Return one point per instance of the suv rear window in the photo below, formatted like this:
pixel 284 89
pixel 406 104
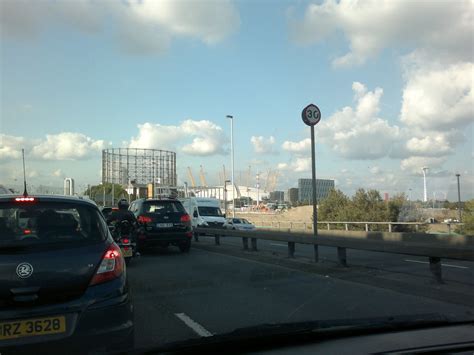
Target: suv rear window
pixel 161 207
pixel 49 222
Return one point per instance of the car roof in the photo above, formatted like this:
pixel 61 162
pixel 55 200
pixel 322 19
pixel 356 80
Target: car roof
pixel 53 198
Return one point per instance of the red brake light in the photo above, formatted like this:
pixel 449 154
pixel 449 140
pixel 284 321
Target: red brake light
pixel 27 231
pixel 144 219
pixel 111 266
pixel 186 218
pixel 25 199
pixel 125 240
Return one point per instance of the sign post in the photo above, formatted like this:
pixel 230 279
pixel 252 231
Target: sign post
pixel 311 116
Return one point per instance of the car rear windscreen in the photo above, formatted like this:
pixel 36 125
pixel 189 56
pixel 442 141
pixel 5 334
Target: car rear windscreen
pixel 49 222
pixel 162 207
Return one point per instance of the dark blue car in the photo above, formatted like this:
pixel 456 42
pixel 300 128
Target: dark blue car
pixel 63 281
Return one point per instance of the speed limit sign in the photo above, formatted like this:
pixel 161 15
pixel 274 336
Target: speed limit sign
pixel 311 115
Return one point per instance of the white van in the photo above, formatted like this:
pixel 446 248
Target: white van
pixel 204 212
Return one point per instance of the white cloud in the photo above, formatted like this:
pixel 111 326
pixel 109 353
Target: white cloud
pixel 415 163
pixel 141 26
pixel 207 137
pixel 58 173
pixel 357 133
pixel 432 144
pixel 441 27
pixel 67 146
pixel 297 165
pixel 375 170
pixel 439 98
pixel 262 145
pixel 10 146
pixel 303 146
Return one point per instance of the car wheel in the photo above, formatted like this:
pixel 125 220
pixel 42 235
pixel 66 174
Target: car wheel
pixel 185 247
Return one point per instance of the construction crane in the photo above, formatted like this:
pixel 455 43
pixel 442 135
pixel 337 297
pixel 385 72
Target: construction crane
pixel 267 181
pixel 202 177
pixel 191 177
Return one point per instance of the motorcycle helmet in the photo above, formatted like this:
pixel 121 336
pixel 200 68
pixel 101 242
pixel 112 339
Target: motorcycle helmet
pixel 122 204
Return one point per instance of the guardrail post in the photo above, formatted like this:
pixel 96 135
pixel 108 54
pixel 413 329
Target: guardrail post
pixel 254 244
pixel 416 227
pixel 329 226
pixel 245 241
pixel 390 227
pixel 435 267
pixel 366 227
pixel 449 228
pixel 342 256
pixel 346 226
pixel 316 253
pixel 291 249
pixel 217 239
pixel 291 226
pixel 278 225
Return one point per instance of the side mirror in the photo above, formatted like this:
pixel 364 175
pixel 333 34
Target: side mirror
pixel 195 214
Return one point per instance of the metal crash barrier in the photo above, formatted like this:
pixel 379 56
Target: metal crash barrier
pixel 432 246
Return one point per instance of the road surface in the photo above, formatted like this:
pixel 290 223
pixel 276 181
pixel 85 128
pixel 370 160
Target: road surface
pixel 181 296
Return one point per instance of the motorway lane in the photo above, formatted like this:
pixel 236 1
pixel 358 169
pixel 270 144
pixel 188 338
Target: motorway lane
pixel 453 270
pixel 181 296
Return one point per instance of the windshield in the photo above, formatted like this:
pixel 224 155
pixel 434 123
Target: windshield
pixel 163 207
pixel 49 222
pixel 282 161
pixel 210 211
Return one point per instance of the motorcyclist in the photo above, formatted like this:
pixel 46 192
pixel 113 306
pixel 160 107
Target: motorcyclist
pixel 122 214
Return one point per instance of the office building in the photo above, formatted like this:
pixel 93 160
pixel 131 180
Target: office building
pixel 305 190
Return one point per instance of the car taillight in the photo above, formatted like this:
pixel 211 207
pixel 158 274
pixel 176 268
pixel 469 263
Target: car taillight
pixel 144 219
pixel 25 199
pixel 185 218
pixel 27 231
pixel 111 266
pixel 125 240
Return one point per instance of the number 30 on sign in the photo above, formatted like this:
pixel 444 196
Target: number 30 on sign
pixel 311 115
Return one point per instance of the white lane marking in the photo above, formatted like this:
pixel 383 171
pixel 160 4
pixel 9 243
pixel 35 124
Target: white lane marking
pixel 198 328
pixel 448 265
pixel 279 245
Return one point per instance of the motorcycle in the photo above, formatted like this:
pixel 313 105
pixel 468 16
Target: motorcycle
pixel 123 236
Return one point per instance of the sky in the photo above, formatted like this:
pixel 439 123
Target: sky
pixel 393 81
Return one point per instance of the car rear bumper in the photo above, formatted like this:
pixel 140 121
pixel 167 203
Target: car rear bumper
pixel 157 239
pixel 102 328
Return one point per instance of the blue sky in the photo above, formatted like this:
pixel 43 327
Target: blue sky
pixel 80 76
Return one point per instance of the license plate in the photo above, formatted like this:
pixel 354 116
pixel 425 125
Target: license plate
pixel 164 225
pixel 32 327
pixel 127 252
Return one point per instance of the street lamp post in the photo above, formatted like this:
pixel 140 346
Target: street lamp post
pixel 459 198
pixel 225 196
pixel 232 161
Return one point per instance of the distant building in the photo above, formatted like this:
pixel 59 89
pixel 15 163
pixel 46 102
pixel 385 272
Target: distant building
pixel 292 195
pixel 305 190
pixel 277 196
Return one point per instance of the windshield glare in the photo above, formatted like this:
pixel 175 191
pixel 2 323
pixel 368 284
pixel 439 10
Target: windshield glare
pixel 49 222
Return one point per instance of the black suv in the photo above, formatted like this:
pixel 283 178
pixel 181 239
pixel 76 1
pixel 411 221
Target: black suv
pixel 61 278
pixel 162 222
